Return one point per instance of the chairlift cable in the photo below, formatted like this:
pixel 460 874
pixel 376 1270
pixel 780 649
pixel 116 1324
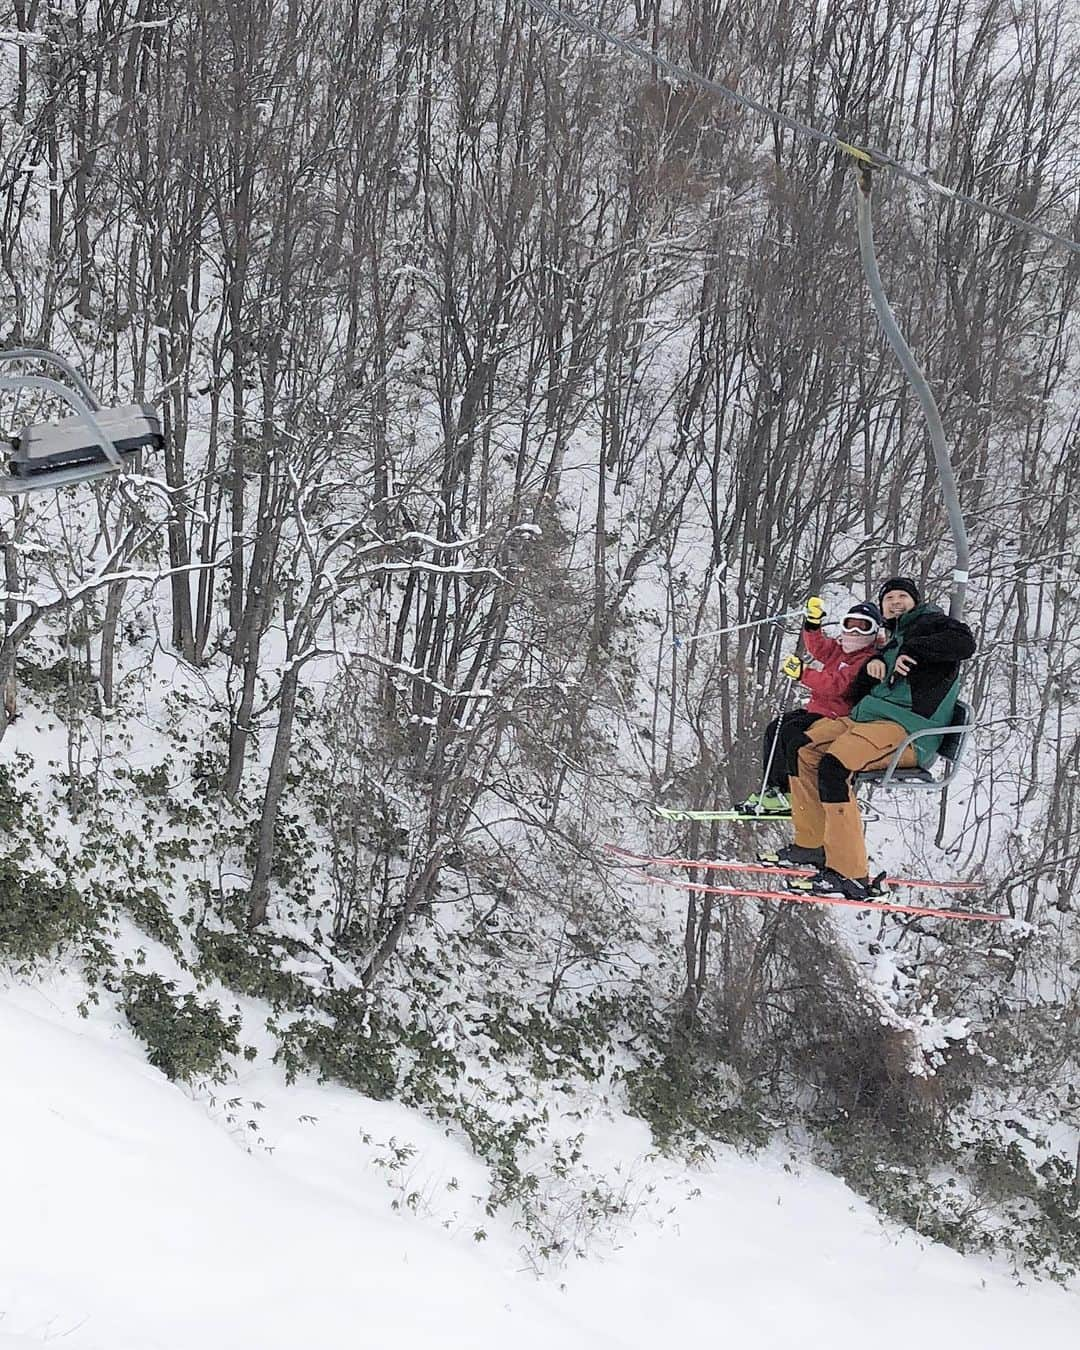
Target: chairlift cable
pixel 865 160
pixel 866 156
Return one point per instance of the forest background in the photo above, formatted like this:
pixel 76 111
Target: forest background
pixel 491 365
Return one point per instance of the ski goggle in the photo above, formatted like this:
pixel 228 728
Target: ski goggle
pixel 859 623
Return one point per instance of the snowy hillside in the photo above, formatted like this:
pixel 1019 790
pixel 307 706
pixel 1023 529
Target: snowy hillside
pixel 136 1217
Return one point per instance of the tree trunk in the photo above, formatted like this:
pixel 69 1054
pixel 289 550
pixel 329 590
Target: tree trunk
pixel 107 663
pixel 275 786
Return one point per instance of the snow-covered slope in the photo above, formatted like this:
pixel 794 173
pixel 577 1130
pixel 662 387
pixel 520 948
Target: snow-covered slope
pixel 137 1217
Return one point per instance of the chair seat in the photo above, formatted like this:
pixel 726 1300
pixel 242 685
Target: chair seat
pixel 47 446
pixel 899 776
pixel 951 747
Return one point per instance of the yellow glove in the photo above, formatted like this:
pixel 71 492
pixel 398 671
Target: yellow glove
pixel 793 667
pixel 815 609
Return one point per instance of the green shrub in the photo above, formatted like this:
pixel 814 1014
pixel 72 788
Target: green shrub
pixel 13 802
pixel 554 1045
pixel 987 1196
pixel 358 1047
pixel 147 909
pixel 186 1039
pixel 39 917
pixel 1038 1200
pixel 53 678
pixel 152 783
pixel 248 963
pixel 690 1099
pixel 895 1176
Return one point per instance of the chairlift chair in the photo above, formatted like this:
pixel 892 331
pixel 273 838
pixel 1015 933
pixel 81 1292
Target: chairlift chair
pixel 954 738
pixel 954 741
pixel 94 442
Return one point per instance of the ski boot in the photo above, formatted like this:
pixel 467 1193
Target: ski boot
pixel 826 882
pixel 771 802
pixel 794 855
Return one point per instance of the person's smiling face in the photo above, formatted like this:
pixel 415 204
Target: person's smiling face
pixel 895 603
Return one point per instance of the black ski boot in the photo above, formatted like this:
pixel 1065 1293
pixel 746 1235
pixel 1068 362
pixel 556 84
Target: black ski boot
pixel 830 883
pixel 794 855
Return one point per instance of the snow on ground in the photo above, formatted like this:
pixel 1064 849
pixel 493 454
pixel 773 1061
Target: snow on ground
pixel 136 1217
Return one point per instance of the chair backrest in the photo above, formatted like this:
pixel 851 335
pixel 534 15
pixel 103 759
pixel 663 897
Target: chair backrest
pixel 952 745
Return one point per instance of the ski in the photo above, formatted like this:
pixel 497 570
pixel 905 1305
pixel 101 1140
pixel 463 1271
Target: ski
pixel 766 869
pixel 804 898
pixel 672 813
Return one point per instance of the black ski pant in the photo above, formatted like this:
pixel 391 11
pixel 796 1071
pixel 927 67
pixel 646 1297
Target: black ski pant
pixel 788 732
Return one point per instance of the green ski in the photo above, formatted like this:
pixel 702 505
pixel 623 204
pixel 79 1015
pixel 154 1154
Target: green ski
pixel 678 813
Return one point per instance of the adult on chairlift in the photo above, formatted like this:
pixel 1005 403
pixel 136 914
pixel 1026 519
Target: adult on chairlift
pixel 912 685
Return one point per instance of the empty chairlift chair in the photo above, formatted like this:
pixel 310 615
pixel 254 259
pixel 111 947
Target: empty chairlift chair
pixel 93 442
pixel 954 740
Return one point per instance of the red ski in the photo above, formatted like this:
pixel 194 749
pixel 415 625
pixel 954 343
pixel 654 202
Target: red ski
pixel 805 898
pixel 766 869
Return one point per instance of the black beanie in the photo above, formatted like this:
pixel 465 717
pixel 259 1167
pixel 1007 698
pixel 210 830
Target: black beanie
pixel 899 584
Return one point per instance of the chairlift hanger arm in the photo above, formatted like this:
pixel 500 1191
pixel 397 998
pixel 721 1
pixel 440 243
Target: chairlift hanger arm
pixel 919 383
pixel 48 358
pixel 954 741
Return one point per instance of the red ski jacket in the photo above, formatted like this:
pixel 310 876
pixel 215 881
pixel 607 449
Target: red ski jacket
pixel 832 686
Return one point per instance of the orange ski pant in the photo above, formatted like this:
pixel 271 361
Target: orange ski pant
pixel 838 825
